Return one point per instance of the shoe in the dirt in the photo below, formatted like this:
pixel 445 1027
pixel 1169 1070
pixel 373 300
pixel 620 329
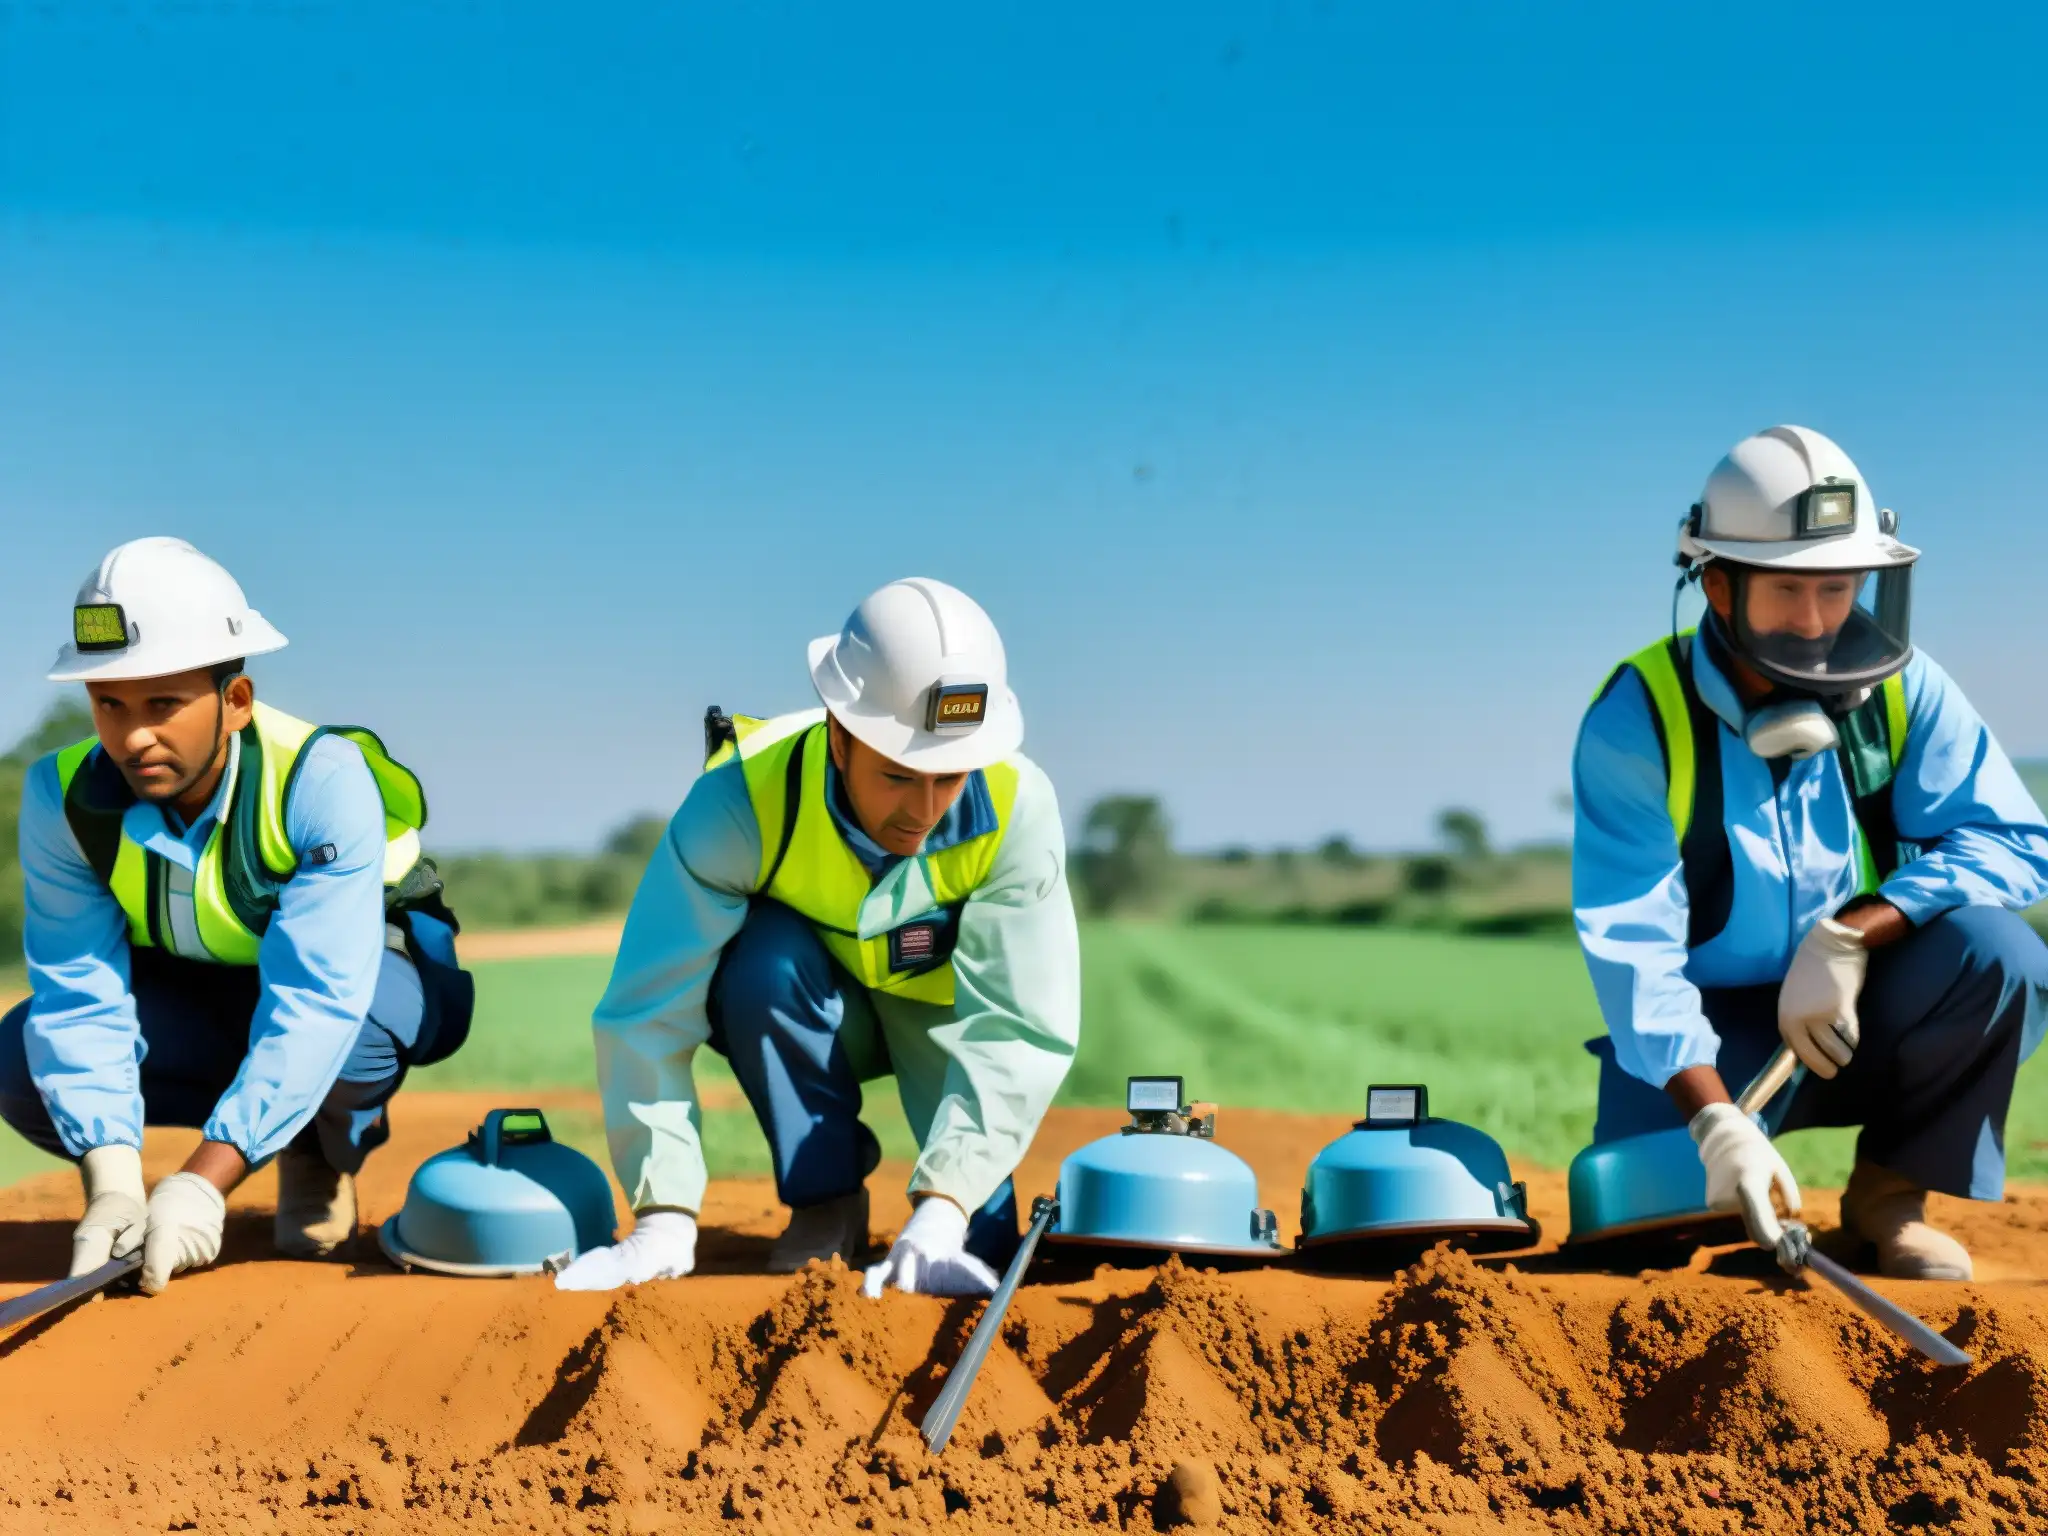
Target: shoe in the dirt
pixel 1890 1213
pixel 820 1231
pixel 316 1206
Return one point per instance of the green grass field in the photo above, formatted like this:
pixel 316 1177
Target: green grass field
pixel 1280 1017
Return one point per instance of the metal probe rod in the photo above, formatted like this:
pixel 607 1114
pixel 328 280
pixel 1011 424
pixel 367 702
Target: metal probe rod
pixel 1796 1251
pixel 944 1412
pixel 1765 1085
pixel 43 1299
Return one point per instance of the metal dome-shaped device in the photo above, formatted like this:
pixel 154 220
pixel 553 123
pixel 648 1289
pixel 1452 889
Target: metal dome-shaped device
pixel 510 1201
pixel 1401 1179
pixel 1162 1185
pixel 1650 1190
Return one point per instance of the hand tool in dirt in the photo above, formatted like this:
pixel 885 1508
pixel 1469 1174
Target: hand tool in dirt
pixel 1796 1252
pixel 62 1292
pixel 1401 1180
pixel 944 1412
pixel 1161 1185
pixel 511 1200
pixel 1652 1187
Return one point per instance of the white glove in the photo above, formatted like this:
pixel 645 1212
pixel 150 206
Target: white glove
pixel 661 1246
pixel 1742 1168
pixel 930 1257
pixel 114 1215
pixel 185 1217
pixel 1817 1002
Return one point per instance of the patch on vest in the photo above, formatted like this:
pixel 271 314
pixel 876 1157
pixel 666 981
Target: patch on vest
pixel 913 946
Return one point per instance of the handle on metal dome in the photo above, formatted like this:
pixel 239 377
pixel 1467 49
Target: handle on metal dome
pixel 495 1135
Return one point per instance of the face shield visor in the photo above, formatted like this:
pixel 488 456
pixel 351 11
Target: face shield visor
pixel 1821 632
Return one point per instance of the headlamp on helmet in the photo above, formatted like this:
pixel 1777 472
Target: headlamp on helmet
pixel 1827 508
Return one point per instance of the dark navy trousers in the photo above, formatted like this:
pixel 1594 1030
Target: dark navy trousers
pixel 195 1029
pixel 1948 1014
pixel 802 1036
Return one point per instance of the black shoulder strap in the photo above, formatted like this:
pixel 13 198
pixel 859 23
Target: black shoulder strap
pixel 792 804
pixel 250 886
pixel 1703 851
pixel 1865 755
pixel 94 804
pixel 718 731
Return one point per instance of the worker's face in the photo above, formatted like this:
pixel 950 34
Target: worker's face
pixel 165 733
pixel 895 805
pixel 1809 606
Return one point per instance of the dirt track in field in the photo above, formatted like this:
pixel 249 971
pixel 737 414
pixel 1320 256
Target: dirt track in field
pixel 1458 1396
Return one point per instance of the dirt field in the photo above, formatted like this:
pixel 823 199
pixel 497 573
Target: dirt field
pixel 1460 1396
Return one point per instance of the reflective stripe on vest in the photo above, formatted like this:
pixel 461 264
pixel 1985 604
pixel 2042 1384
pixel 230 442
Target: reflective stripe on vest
pixel 1873 740
pixel 807 866
pixel 249 857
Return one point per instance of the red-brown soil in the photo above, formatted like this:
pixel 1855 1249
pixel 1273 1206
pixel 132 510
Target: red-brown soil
pixel 1504 1394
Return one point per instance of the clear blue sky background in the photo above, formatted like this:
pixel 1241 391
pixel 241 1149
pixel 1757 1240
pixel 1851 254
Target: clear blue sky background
pixel 1309 390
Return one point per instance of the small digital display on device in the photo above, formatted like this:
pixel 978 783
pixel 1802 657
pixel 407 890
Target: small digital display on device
pixel 1394 1106
pixel 1153 1095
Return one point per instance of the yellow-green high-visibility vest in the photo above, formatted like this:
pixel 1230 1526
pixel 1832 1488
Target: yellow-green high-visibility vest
pixel 249 857
pixel 1873 738
pixel 807 866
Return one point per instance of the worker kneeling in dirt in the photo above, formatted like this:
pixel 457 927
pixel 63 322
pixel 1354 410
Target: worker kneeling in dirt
pixel 229 926
pixel 876 887
pixel 1790 826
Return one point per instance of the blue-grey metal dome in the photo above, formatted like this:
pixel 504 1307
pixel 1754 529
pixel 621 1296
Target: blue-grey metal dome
pixel 510 1201
pixel 1162 1183
pixel 1430 1179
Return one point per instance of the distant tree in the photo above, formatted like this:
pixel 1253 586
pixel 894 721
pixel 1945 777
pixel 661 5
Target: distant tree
pixel 1236 853
pixel 637 839
pixel 1336 849
pixel 64 722
pixel 1464 834
pixel 1429 874
pixel 1125 860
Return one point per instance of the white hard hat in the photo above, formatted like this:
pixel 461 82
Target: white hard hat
pixel 918 673
pixel 157 607
pixel 1790 499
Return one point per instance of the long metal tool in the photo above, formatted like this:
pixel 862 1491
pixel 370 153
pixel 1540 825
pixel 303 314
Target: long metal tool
pixel 58 1294
pixel 1796 1252
pixel 944 1412
pixel 1765 1085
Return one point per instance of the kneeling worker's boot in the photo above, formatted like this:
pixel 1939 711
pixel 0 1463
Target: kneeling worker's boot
pixel 316 1206
pixel 1890 1212
pixel 820 1231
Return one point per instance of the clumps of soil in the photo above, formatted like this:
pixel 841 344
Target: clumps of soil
pixel 1462 1397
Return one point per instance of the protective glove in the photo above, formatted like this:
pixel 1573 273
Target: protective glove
pixel 661 1246
pixel 114 1211
pixel 931 1258
pixel 1817 1002
pixel 185 1217
pixel 1742 1168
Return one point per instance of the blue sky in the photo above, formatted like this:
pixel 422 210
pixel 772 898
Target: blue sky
pixel 1310 391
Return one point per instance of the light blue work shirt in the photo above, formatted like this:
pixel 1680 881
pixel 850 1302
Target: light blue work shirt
pixel 982 1072
pixel 1792 850
pixel 318 962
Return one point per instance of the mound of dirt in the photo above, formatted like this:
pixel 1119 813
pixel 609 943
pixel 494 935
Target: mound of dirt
pixel 1460 1395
